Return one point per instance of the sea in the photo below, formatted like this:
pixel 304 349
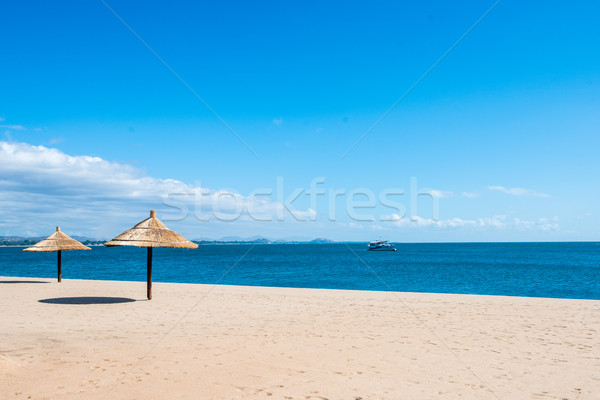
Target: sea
pixel 558 270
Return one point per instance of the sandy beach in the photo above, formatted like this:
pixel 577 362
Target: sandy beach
pixel 89 340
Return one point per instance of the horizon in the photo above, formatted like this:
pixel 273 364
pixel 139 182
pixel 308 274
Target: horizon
pixel 256 239
pixel 417 123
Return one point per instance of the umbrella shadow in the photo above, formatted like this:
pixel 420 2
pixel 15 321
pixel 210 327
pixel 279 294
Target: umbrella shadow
pixel 87 300
pixel 24 282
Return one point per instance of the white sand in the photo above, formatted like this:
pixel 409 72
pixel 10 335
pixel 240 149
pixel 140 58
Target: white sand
pixel 227 342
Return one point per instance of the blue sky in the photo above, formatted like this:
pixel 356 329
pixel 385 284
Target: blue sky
pixel 504 129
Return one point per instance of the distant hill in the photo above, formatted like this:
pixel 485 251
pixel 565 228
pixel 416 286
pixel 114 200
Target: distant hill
pixel 17 241
pixel 260 240
pixel 321 241
pixel 240 239
pixel 28 241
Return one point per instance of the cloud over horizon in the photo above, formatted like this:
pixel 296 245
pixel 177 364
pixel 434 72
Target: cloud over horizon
pixel 41 187
pixel 38 183
pixel 495 222
pixel 518 191
pixel 14 127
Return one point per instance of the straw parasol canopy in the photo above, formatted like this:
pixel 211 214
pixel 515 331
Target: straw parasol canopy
pixel 151 233
pixel 58 242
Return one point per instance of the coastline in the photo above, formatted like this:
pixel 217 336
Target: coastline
pixel 205 341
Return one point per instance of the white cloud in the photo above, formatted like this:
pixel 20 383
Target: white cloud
pixel 14 127
pixel 40 184
pixel 277 121
pixel 41 187
pixel 494 222
pixel 441 194
pixel 444 194
pixel 518 191
pixel 497 221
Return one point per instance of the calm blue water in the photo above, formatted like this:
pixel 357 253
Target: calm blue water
pixel 566 270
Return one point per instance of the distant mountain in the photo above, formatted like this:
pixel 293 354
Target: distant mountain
pixel 17 241
pixel 88 240
pixel 260 240
pixel 321 241
pixel 11 238
pixel 234 240
pixel 240 239
pixel 28 241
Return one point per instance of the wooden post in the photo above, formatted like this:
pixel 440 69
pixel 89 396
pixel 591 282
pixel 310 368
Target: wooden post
pixel 149 277
pixel 59 267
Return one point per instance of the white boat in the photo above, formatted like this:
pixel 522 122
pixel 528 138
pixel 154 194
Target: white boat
pixel 380 245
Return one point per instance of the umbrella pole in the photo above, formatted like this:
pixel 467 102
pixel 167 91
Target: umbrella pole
pixel 149 277
pixel 59 267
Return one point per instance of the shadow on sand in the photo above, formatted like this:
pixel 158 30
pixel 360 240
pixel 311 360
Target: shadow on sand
pixel 24 282
pixel 87 300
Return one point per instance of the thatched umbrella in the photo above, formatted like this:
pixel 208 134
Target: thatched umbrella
pixel 151 233
pixel 58 242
